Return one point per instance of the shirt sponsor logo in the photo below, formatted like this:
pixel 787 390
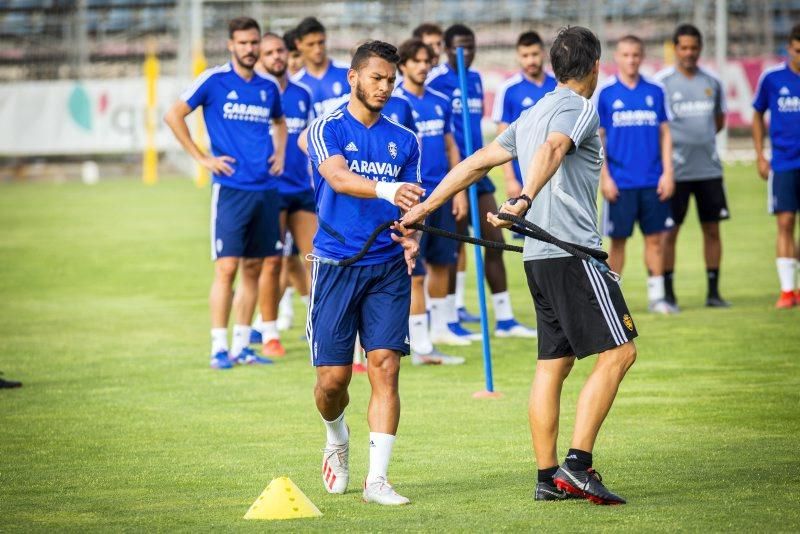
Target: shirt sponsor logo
pixel 430 128
pixel 245 112
pixel 295 125
pixel 378 171
pixel 475 105
pixel 789 104
pixel 693 108
pixel 634 117
pixel 232 95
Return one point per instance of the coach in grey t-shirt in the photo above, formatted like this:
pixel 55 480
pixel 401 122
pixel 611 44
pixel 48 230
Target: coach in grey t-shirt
pixel 579 310
pixel 697 101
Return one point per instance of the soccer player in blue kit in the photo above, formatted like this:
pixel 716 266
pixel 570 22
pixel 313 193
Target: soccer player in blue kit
pixel 779 93
pixel 636 179
pixel 439 154
pixel 445 81
pixel 521 92
pixel 239 105
pixel 365 167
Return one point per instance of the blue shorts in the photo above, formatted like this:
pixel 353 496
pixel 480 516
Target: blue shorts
pixel 244 224
pixel 304 201
pixel 784 191
pixel 485 185
pixel 372 300
pixel 643 205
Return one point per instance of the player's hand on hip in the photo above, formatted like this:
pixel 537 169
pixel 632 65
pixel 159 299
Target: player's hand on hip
pixel 763 167
pixel 410 250
pixel 460 205
pixel 276 162
pixel 666 187
pixel 408 196
pixel 218 165
pixel 609 189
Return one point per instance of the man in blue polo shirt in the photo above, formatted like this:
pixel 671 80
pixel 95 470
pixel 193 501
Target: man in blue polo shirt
pixel 519 93
pixel 239 106
pixel 636 179
pixel 365 167
pixel 445 81
pixel 779 93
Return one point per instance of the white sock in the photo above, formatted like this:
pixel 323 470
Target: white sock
pixel 461 280
pixel 337 431
pixel 269 330
pixel 358 353
pixel 241 339
pixel 418 334
pixel 439 315
pixel 219 340
pixel 502 306
pixel 450 310
pixel 787 269
pixel 285 305
pixel 655 288
pixel 380 451
pixel 257 323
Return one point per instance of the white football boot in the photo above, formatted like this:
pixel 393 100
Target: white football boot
pixel 381 492
pixel 336 467
pixel 446 337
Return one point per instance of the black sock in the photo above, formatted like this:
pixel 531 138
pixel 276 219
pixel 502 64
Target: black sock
pixel 669 294
pixel 713 282
pixel 578 460
pixel 546 475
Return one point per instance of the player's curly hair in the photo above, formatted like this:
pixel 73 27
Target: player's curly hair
pixel 374 49
pixel 574 53
pixel 410 48
pixel 456 30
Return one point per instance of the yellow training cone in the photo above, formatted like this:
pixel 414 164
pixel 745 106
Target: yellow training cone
pixel 282 500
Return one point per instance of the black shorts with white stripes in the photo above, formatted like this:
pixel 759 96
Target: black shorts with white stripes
pixel 579 310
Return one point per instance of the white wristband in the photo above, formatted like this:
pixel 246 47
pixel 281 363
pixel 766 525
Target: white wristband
pixel 387 190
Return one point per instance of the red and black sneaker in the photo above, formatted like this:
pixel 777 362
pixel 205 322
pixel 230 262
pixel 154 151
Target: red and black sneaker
pixel 587 484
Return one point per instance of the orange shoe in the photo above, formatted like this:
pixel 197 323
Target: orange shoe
pixel 359 368
pixel 786 300
pixel 273 349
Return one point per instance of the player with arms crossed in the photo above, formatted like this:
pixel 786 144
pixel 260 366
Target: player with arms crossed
pixel 579 311
pixel 439 154
pixel 521 92
pixel 697 103
pixel 779 93
pixel 636 180
pixel 238 106
pixel 365 168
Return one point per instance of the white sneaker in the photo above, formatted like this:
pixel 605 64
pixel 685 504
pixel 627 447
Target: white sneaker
pixel 449 338
pixel 660 306
pixel 435 358
pixel 336 468
pixel 284 322
pixel 512 328
pixel 381 492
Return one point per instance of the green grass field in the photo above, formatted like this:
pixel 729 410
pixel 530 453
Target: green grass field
pixel 121 425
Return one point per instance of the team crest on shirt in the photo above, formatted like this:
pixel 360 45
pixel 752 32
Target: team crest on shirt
pixel 477 87
pixel 393 149
pixel 302 106
pixel 337 88
pixel 439 110
pixel 628 322
pixel 263 95
pixel 648 100
pixel 709 91
pixel 527 101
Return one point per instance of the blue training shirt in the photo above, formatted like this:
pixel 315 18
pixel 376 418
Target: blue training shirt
pixel 632 119
pixel 779 92
pixel 299 110
pixel 329 91
pixel 238 116
pixel 432 115
pixel 386 151
pixel 445 81
pixel 516 95
pixel 399 109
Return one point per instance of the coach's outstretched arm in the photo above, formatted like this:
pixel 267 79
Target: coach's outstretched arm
pixel 176 120
pixel 402 194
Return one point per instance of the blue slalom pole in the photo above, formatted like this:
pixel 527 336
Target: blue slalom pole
pixel 476 223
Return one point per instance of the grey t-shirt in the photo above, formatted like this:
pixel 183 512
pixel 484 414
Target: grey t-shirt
pixel 567 205
pixel 694 104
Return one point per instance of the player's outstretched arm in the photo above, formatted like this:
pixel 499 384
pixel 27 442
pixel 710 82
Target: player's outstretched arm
pixel 402 194
pixel 459 178
pixel 176 120
pixel 543 166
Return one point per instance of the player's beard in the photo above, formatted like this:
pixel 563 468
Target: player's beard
pixel 362 97
pixel 534 72
pixel 241 61
pixel 277 73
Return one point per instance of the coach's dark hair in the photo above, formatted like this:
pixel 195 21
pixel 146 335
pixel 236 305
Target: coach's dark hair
pixel 687 29
pixel 529 39
pixel 456 30
pixel 410 48
pixel 426 28
pixel 242 23
pixel 574 53
pixel 288 39
pixel 630 38
pixel 794 34
pixel 374 49
pixel 307 26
